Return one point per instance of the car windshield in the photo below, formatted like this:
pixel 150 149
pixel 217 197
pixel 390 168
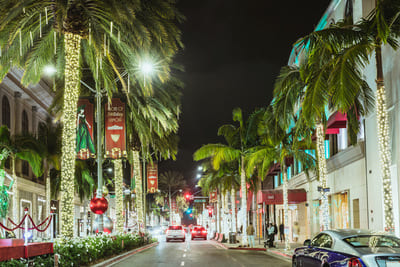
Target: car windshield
pixel 175 227
pixel 373 241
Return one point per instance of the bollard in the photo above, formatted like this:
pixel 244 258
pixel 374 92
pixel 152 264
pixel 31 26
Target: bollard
pixel 26 228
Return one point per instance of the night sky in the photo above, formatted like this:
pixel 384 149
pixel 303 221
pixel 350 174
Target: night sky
pixel 233 53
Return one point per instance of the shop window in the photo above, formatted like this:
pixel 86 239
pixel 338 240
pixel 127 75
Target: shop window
pixel 276 181
pixel 289 173
pixel 333 144
pixel 340 211
pixel 5 115
pixel 356 213
pixel 25 122
pixel 342 139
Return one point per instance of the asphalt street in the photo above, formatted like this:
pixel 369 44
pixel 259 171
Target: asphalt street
pixel 199 253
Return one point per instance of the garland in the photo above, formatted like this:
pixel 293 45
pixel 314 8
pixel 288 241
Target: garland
pixel 35 227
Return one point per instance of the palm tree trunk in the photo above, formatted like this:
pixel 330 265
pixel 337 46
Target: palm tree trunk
pixel 324 224
pixel 226 215
pixel 383 137
pixel 219 230
pixel 285 203
pixel 233 201
pixel 138 187
pixel 71 95
pixel 244 201
pixel 170 205
pixel 119 197
pixel 15 206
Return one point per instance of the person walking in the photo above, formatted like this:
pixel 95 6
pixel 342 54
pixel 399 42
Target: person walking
pixel 271 235
pixel 282 232
pixel 250 235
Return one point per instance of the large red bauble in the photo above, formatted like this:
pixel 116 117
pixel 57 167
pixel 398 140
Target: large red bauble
pixel 98 205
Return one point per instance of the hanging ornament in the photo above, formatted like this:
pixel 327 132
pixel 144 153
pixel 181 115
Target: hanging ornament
pixel 45 11
pixel 111 28
pixel 128 83
pixel 30 34
pixel 98 205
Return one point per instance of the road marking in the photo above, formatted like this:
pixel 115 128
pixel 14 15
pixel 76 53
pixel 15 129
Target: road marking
pixel 185 250
pixel 184 255
pixel 182 263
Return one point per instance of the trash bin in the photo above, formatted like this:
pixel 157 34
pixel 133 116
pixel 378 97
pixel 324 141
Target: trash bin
pixel 232 238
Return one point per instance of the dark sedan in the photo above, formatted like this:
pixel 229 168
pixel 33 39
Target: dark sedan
pixel 349 248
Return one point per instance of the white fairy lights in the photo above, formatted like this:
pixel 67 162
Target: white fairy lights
pixel 71 94
pixel 322 176
pixel 119 197
pixel 138 186
pixel 385 156
pixel 285 204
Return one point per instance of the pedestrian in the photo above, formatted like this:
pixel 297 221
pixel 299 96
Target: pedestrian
pixel 282 232
pixel 271 234
pixel 241 229
pixel 250 235
pixel 296 232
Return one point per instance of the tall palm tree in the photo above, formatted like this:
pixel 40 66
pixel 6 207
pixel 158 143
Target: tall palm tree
pixel 356 43
pixel 171 182
pixel 21 147
pixel 49 138
pixel 239 139
pixel 280 144
pixel 37 33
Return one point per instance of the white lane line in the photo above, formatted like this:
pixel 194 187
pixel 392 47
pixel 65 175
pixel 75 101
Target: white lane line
pixel 182 263
pixel 184 255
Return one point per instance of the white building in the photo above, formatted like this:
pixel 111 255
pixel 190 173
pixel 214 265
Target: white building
pixel 354 175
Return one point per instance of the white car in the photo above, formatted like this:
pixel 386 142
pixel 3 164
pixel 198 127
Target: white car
pixel 175 232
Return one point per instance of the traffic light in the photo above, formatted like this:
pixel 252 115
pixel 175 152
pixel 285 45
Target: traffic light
pixel 191 215
pixel 187 196
pixel 210 211
pixel 189 211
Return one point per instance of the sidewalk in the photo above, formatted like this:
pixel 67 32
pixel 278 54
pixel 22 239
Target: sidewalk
pixel 259 246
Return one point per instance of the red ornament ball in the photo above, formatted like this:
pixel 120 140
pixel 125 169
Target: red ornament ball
pixel 98 205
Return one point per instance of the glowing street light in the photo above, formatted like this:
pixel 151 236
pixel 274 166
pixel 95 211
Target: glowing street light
pixel 49 70
pixel 147 68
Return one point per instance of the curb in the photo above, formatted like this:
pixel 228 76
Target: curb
pixel 118 258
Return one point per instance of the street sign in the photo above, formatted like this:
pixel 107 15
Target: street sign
pixel 199 200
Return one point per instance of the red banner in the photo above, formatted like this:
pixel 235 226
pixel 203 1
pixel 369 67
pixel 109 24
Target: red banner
pixel 152 178
pixel 173 206
pixel 213 196
pixel 115 129
pixel 84 130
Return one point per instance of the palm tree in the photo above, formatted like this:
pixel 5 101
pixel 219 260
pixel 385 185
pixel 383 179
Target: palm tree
pixel 34 34
pixel 280 144
pixel 239 139
pixel 49 139
pixel 21 147
pixel 357 43
pixel 171 182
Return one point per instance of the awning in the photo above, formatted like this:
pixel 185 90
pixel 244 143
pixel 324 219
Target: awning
pixel 336 121
pixel 275 196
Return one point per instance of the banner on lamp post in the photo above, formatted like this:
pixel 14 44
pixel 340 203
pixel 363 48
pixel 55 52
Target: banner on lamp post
pixel 84 130
pixel 213 196
pixel 115 129
pixel 152 177
pixel 133 180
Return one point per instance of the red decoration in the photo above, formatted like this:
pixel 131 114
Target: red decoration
pixel 115 129
pixel 152 178
pixel 98 205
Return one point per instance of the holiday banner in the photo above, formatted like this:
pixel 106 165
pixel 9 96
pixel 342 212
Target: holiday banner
pixel 115 129
pixel 173 206
pixel 84 130
pixel 152 178
pixel 133 180
pixel 213 196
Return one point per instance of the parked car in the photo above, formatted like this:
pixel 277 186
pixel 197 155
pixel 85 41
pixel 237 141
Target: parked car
pixel 199 232
pixel 350 248
pixel 175 232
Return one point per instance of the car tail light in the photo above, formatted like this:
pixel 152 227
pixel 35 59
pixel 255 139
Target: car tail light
pixel 354 262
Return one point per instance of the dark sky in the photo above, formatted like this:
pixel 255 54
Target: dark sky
pixel 233 53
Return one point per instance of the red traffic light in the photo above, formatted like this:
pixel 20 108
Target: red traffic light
pixel 187 196
pixel 210 212
pixel 191 215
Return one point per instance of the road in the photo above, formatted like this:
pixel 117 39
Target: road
pixel 199 253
